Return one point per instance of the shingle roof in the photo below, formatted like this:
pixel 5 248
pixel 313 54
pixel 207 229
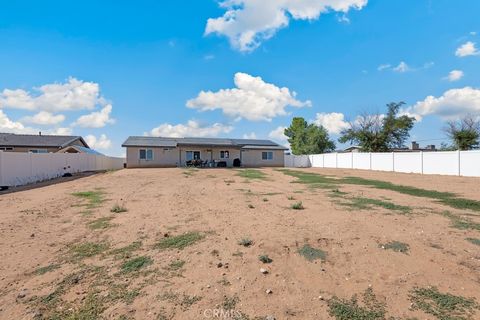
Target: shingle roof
pixel 173 142
pixel 30 140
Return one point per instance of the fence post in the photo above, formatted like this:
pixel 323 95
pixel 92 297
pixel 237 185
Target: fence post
pixel 1 170
pixel 352 160
pixel 370 159
pixel 393 161
pixel 459 163
pixel 336 160
pixel 421 162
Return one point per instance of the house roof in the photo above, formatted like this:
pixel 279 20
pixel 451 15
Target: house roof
pixel 31 140
pixel 80 149
pixel 212 142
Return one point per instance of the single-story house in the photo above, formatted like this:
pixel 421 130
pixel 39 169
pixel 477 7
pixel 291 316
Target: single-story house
pixel 40 143
pixel 178 152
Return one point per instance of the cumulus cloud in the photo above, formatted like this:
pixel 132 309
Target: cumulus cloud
pixel 97 119
pixel 45 118
pixel 72 95
pixel 98 143
pixel 251 135
pixel 402 67
pixel 191 129
pixel 247 23
pixel 279 136
pixel 467 49
pixel 334 122
pixel 61 131
pixel 252 99
pixel 7 125
pixel 453 104
pixel 454 75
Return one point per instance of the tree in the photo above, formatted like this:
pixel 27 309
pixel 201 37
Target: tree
pixel 307 138
pixel 464 133
pixel 378 132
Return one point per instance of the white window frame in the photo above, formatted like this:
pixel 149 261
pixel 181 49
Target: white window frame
pixel 267 153
pixel 193 155
pixel 147 158
pixel 224 154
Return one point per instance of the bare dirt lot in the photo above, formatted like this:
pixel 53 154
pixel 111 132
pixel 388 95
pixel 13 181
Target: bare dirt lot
pixel 242 244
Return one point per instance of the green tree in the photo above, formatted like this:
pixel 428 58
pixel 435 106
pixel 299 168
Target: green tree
pixel 307 138
pixel 378 132
pixel 464 133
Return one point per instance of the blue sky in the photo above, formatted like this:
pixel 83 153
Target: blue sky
pixel 110 69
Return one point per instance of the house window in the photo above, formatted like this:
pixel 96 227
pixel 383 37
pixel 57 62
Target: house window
pixel 267 155
pixel 224 154
pixel 146 154
pixel 38 151
pixel 192 155
pixel 6 149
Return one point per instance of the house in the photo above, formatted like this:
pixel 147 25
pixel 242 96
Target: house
pixel 178 152
pixel 10 142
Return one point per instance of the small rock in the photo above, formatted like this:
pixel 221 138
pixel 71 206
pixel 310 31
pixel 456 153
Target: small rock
pixel 32 235
pixel 22 294
pixel 320 298
pixel 269 291
pixel 269 317
pixel 166 235
pixel 209 286
pixel 219 265
pixel 264 271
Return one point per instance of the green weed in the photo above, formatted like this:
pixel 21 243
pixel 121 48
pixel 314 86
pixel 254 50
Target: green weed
pixel 371 309
pixel 252 174
pixel 135 264
pixel 396 246
pixel 311 253
pixel 94 198
pixel 180 242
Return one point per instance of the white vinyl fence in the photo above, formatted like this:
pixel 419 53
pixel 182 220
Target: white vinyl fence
pixel 18 168
pixel 458 163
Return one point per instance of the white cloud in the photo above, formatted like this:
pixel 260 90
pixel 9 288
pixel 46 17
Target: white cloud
pixel 7 125
pixel 453 104
pixel 97 119
pixel 454 75
pixel 247 23
pixel 191 129
pixel 251 135
pixel 101 143
pixel 278 135
pixel 402 67
pixel 252 99
pixel 45 118
pixel 334 122
pixel 71 95
pixel 467 49
pixel 61 131
pixel 384 67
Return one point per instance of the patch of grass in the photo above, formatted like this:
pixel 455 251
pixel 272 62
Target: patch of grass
pixel 474 241
pixel 46 269
pixel 443 306
pixel 246 242
pixel 176 265
pixel 372 309
pixel 297 206
pixel 87 249
pixel 184 302
pixel 120 292
pixel 94 198
pixel 100 223
pixel 188 301
pixel 92 308
pixel 265 258
pixel 180 242
pixel 189 172
pixel 224 282
pixel 447 198
pixel 396 246
pixel 460 222
pixel 312 254
pixel 291 198
pixel 118 209
pixel 366 203
pixel 135 264
pixel 229 303
pixel 252 174
pixel 126 252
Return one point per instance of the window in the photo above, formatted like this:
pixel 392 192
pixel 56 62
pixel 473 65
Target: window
pixel 268 155
pixel 6 149
pixel 146 154
pixel 38 151
pixel 192 155
pixel 224 154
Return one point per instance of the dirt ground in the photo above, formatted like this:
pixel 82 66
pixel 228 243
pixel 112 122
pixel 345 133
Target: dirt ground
pixel 64 256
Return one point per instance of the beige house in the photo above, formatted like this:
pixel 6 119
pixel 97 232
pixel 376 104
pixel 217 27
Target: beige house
pixel 32 143
pixel 143 152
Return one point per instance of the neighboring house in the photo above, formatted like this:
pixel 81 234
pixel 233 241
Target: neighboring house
pixel 177 152
pixel 79 149
pixel 10 142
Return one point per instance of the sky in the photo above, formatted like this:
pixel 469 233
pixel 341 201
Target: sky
pixel 110 69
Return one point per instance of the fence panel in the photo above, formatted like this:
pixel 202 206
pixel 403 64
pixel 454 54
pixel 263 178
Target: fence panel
pixel 361 160
pixel 441 163
pixel 344 160
pixel 330 160
pixel 382 161
pixel 470 163
pixel 317 160
pixel 408 162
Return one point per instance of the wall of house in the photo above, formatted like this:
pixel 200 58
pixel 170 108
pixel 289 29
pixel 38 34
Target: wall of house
pixel 27 149
pixel 253 158
pixel 162 157
pixel 209 154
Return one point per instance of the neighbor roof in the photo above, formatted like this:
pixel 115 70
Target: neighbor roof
pixel 30 140
pixel 212 142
